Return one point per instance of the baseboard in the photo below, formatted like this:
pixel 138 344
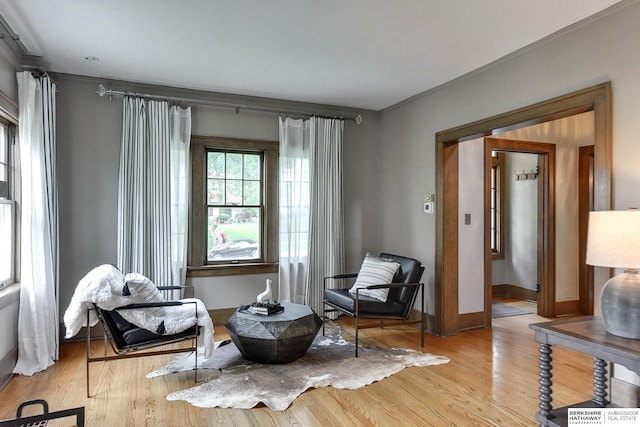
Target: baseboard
pixel 513 291
pixel 564 308
pixel 471 321
pixel 7 364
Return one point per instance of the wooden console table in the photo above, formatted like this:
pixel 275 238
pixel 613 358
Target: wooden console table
pixel 589 336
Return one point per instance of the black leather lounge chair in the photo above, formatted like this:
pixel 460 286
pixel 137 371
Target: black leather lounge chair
pixel 128 340
pixel 400 300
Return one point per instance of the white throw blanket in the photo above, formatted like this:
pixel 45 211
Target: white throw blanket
pixel 104 285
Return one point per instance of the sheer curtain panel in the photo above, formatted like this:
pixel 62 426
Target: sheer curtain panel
pixel 38 318
pixel 294 202
pixel 180 130
pixel 152 190
pixel 311 218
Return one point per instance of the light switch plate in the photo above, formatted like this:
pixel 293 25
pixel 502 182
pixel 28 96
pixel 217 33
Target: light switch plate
pixel 428 207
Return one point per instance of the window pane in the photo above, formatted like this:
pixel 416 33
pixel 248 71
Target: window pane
pixel 215 191
pixel 215 165
pixel 4 145
pixel 234 211
pixel 251 167
pixel 4 163
pixel 234 192
pixel 251 193
pixel 234 166
pixel 6 243
pixel 234 234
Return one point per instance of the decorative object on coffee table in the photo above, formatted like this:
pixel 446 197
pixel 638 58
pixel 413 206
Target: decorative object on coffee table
pixel 262 308
pixel 614 241
pixel 266 295
pixel 278 338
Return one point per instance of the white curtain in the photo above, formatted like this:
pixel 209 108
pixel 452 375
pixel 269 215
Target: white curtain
pixel 152 194
pixel 311 209
pixel 38 318
pixel 294 191
pixel 326 237
pixel 180 131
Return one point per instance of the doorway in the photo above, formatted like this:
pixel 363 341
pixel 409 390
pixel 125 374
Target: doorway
pixel 545 239
pixel 596 99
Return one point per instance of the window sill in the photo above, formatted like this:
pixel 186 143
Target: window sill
pixel 231 269
pixel 9 295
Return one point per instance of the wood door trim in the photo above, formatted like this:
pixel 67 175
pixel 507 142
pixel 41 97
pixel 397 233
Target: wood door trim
pixel 596 98
pixel 446 320
pixel 585 204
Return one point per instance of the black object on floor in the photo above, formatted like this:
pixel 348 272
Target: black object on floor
pixel 43 419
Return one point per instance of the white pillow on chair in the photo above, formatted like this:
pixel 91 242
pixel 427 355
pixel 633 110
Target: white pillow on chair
pixel 375 271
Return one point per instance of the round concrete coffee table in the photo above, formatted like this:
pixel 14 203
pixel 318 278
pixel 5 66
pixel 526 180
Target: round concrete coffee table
pixel 279 338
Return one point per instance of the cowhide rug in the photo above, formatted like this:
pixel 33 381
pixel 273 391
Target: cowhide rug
pixel 329 361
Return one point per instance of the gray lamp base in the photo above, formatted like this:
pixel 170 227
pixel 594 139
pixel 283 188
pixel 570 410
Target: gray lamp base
pixel 620 304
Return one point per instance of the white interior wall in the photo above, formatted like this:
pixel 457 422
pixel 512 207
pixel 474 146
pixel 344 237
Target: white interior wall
pixel 471 236
pixel 520 263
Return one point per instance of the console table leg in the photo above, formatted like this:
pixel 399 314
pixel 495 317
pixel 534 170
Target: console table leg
pixel 545 380
pixel 600 382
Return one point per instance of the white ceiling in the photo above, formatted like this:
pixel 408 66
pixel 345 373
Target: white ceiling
pixel 356 53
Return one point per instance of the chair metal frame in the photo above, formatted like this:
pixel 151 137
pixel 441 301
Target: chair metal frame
pixel 142 349
pixel 357 315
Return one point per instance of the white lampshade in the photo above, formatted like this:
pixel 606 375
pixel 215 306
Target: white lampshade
pixel 614 239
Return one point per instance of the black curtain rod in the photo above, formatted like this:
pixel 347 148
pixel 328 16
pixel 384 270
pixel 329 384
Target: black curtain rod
pixel 102 91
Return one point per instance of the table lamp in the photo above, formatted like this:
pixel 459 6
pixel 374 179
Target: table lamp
pixel 613 241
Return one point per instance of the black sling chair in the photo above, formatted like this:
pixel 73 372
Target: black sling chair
pixel 400 300
pixel 128 340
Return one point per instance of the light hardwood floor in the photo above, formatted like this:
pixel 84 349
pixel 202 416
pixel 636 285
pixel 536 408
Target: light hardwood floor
pixel 490 381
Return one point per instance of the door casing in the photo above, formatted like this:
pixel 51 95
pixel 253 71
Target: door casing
pixel 596 98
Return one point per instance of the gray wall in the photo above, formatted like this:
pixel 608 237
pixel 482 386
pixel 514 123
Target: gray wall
pixel 389 163
pixel 599 51
pixel 520 266
pixel 9 298
pixel 88 157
